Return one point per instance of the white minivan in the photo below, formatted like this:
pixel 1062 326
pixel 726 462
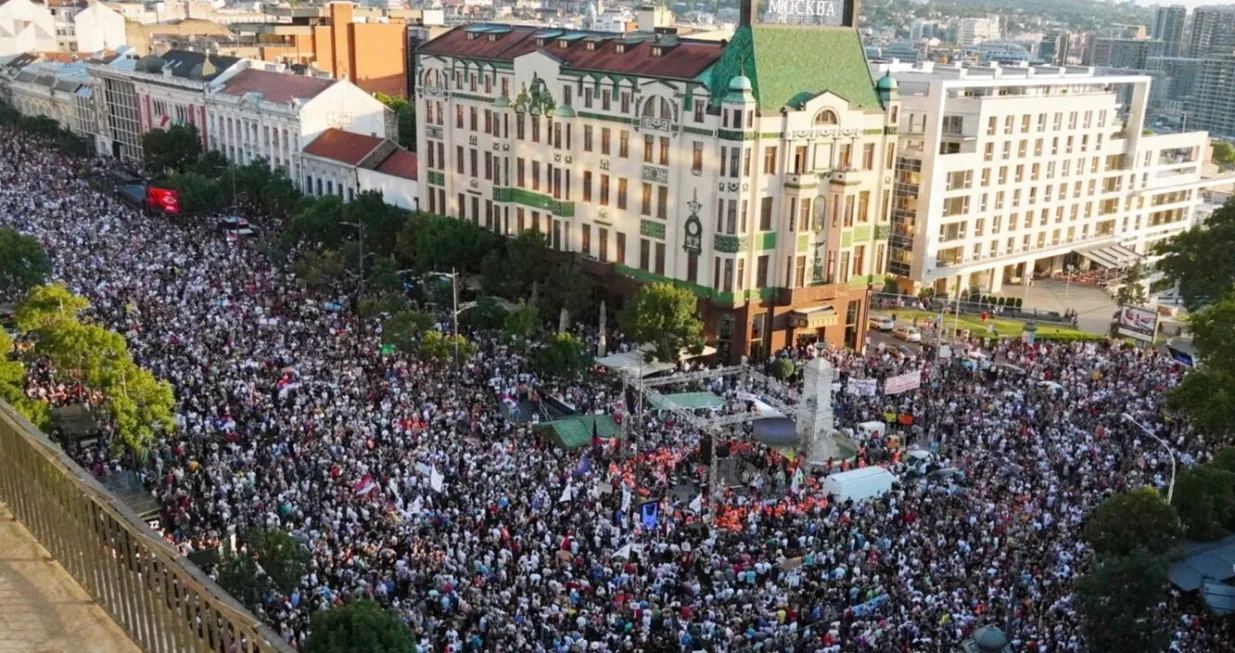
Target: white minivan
pixel 858 484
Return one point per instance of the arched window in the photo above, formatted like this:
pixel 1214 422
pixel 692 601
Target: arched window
pixel 657 107
pixel 827 117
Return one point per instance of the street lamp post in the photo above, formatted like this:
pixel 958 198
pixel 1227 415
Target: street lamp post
pixel 453 275
pixel 359 227
pixel 1170 489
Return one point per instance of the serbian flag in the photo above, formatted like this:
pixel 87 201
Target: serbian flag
pixel 364 486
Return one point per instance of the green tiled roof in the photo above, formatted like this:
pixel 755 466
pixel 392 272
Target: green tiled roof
pixel 787 63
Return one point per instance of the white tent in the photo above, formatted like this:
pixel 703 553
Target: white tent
pixel 635 363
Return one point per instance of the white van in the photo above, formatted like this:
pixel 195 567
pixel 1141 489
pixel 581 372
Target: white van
pixel 858 484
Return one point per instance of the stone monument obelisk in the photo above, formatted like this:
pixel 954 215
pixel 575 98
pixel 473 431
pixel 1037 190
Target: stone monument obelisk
pixel 816 441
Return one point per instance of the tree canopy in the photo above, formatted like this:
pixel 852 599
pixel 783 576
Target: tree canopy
pixel 1139 518
pixel 1206 395
pixel 563 356
pixel 138 404
pixel 1117 600
pixel 405 113
pixel 1132 292
pixel 663 315
pixel 172 150
pixel 1205 499
pixel 358 627
pixel 1200 260
pixel 23 264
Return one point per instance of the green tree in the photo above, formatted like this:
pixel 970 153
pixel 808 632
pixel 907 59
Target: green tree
pixel 429 242
pixel 197 193
pixel 1205 499
pixel 138 404
pixel 1200 260
pixel 211 164
pixel 1224 153
pixel 269 560
pixel 320 269
pixel 358 627
pixel 382 221
pixel 782 368
pixel 526 262
pixel 663 315
pixel 280 196
pixel 488 313
pixel 567 286
pixel 13 383
pixel 405 113
pixel 563 356
pixel 1117 600
pixel 439 348
pixel 386 303
pixel 403 330
pixel 522 323
pixel 1207 394
pixel 1207 397
pixel 46 305
pixel 382 276
pixel 23 264
pixel 1135 519
pixel 321 223
pixel 172 150
pixel 1225 460
pixel 1132 292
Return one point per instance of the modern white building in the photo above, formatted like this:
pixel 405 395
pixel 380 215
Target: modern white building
pixel 97 28
pixel 26 27
pixel 262 112
pixel 1004 170
pixel 972 31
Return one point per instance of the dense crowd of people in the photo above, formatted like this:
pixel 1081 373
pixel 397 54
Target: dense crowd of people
pixel 409 487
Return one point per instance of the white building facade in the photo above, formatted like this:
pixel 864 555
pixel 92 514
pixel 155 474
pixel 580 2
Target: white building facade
pixel 26 27
pixel 655 158
pixel 274 115
pixel 1006 171
pixel 134 96
pixel 97 28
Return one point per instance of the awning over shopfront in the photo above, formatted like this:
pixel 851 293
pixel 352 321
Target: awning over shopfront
pixel 813 318
pixel 1110 256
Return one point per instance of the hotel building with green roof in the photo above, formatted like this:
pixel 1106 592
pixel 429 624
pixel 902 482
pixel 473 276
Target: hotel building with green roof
pixel 756 172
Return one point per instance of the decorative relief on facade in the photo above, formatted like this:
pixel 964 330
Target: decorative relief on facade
pixel 652 229
pixel 537 100
pixel 655 174
pixel 729 244
pixel 692 240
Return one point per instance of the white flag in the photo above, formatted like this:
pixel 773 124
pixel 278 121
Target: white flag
pixel 623 552
pixel 798 477
pixel 436 480
pixel 696 506
pixel 625 498
pixel 567 494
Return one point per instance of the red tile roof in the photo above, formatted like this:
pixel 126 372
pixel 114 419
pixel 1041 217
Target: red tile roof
pixel 684 61
pixel 341 146
pixel 280 88
pixel 400 163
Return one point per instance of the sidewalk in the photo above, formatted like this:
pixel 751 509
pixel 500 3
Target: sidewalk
pixel 42 609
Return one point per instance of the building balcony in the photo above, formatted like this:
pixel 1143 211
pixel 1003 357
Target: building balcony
pixel 801 181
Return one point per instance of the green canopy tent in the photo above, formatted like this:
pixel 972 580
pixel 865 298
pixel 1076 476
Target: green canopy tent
pixel 576 431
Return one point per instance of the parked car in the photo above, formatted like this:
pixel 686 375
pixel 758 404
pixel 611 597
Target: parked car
pixel 881 323
pixel 908 334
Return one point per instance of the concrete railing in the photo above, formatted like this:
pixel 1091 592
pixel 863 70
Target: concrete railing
pixel 162 601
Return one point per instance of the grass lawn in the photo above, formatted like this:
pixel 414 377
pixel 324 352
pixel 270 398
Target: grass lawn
pixel 1003 327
